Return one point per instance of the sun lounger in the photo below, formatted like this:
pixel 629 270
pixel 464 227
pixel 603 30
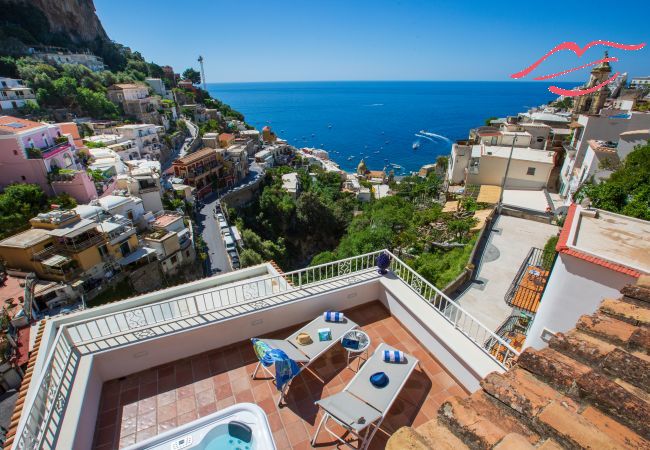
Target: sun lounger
pixel 361 407
pixel 304 355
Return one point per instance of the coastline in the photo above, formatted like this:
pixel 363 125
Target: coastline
pixel 378 121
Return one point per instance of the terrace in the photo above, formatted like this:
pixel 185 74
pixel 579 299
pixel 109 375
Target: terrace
pixel 198 332
pixel 164 397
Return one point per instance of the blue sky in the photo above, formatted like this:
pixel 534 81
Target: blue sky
pixel 308 40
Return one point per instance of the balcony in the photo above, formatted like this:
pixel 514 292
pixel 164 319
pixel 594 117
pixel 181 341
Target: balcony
pixel 48 152
pixel 198 333
pixel 186 389
pixel 525 292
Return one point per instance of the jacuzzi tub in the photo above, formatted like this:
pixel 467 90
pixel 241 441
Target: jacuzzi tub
pixel 220 430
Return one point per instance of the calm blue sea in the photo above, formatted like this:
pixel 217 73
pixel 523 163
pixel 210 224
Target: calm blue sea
pixel 378 121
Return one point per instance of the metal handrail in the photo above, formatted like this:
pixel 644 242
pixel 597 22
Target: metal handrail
pixel 455 314
pixel 153 314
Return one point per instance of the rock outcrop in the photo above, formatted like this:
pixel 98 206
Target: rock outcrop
pixel 75 18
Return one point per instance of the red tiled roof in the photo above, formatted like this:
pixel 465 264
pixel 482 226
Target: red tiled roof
pixel 562 247
pixel 587 389
pixel 23 125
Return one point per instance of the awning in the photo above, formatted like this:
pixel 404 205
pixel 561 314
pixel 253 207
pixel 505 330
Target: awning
pixel 55 261
pixel 136 255
pixel 489 194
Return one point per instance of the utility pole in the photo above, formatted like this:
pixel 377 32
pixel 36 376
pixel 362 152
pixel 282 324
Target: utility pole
pixel 200 60
pixel 505 177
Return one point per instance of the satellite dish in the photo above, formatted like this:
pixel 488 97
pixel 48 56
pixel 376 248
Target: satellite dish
pixel 586 203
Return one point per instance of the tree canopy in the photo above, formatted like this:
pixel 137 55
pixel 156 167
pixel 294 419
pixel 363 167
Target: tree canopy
pixel 18 204
pixel 192 75
pixel 627 191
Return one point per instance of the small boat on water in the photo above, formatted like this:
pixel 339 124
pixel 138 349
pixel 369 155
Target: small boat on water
pixel 351 158
pixel 376 151
pixel 416 145
pixel 329 126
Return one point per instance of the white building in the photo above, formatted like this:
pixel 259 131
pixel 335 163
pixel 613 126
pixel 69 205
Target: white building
pixel 171 240
pixel 143 183
pixel 158 87
pixel 291 184
pixel 106 160
pixel 606 127
pixel 487 164
pixel 599 253
pixel 14 94
pixel 127 150
pixel 126 206
pixel 640 82
pixel 146 137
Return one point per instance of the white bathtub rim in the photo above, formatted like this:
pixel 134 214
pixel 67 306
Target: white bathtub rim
pixel 217 416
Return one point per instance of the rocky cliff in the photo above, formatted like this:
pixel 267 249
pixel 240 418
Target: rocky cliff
pixel 74 18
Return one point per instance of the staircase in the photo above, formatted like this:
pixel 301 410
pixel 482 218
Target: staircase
pixel 589 389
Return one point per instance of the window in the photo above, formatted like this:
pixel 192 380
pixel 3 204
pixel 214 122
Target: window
pixel 530 171
pixel 124 248
pixel 23 178
pixel 174 259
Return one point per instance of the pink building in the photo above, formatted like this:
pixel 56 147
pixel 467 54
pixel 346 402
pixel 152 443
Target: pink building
pixel 29 151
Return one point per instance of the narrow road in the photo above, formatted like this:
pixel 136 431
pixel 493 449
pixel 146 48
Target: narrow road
pixel 218 257
pixel 179 153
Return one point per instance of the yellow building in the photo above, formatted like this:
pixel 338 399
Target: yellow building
pixel 62 246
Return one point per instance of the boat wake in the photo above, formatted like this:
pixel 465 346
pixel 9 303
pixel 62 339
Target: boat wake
pixel 425 137
pixel 434 135
pixel 375 104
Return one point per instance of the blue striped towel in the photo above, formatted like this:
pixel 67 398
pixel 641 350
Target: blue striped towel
pixel 394 356
pixel 331 316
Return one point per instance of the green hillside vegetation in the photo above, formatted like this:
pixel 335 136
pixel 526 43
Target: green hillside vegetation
pixel 21 202
pixel 321 225
pixel 291 231
pixel 627 191
pixel 402 223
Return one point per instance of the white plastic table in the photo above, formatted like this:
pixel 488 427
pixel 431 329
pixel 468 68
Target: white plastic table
pixel 361 352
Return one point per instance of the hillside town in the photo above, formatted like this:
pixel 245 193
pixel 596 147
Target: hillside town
pixel 149 233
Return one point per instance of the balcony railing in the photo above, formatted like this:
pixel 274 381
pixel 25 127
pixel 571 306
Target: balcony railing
pixel 47 407
pixel 525 291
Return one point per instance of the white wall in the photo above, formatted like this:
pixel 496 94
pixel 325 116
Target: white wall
pixel 576 287
pixel 458 162
pixel 492 169
pixel 134 358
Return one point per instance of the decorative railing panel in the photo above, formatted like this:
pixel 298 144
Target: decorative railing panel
pixel 463 321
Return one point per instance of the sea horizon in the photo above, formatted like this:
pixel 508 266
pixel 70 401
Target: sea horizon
pixel 380 122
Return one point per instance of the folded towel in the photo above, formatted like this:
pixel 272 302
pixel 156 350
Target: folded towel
pixel 395 356
pixel 331 316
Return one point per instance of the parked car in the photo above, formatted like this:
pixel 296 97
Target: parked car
pixel 230 243
pixel 223 225
pixel 226 233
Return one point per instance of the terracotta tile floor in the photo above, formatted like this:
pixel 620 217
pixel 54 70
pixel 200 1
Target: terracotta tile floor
pixel 150 402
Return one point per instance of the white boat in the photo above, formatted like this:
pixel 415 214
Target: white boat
pixel 416 145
